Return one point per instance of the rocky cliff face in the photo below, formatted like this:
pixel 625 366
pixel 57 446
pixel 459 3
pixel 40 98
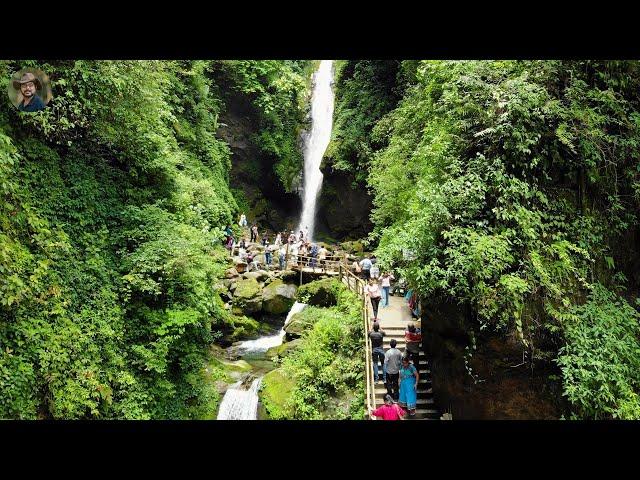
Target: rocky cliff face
pixel 490 382
pixel 343 211
pixel 252 171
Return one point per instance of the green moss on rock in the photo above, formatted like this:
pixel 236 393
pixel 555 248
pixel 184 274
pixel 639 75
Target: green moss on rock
pixel 276 390
pixel 247 297
pixel 278 297
pixel 320 293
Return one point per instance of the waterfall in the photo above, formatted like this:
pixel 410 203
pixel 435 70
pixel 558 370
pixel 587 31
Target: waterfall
pixel 263 344
pixel 316 142
pixel 239 404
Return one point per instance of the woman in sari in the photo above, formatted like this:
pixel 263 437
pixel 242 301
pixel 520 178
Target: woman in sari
pixel 409 378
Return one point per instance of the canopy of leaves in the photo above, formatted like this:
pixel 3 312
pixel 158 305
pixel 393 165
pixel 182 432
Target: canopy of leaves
pixel 113 203
pixel 513 182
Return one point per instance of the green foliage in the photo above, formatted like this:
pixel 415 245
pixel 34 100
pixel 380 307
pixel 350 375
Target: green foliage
pixel 365 91
pixel 278 89
pixel 512 183
pixel 601 360
pixel 327 369
pixel 113 203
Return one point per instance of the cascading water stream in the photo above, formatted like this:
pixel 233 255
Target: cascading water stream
pixel 316 142
pixel 241 404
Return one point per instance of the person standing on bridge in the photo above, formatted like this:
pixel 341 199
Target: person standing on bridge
pixel 409 378
pixel 322 255
pixel 377 351
pixel 392 365
pixel 373 292
pixel 388 411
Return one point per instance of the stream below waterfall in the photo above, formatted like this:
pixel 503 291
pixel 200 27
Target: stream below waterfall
pixel 240 402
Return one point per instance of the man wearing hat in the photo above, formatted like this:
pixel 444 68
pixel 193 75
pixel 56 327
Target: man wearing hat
pixel 28 85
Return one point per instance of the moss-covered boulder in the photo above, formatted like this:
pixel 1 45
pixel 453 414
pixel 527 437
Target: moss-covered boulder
pixel 247 298
pixel 243 327
pixel 320 293
pixel 277 297
pixel 302 321
pixel 281 351
pixel 276 390
pixel 260 275
pixel 355 247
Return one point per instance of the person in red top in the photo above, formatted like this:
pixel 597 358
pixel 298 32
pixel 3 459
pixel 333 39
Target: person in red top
pixel 388 411
pixel 413 337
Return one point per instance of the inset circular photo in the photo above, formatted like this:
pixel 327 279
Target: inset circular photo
pixel 30 90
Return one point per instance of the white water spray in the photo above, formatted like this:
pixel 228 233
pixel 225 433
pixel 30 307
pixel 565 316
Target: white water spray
pixel 316 142
pixel 263 344
pixel 240 404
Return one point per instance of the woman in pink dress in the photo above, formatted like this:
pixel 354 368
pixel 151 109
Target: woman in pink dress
pixel 388 411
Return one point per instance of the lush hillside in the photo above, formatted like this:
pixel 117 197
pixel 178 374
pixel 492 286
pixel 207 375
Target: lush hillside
pixel 515 188
pixel 113 204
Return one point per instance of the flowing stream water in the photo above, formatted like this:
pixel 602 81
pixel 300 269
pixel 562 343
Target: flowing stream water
pixel 316 142
pixel 239 402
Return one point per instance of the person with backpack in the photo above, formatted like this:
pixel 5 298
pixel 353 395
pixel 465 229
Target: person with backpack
pixel 377 351
pixel 314 254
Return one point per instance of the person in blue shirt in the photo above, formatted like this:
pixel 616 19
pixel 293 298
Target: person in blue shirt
pixel 28 86
pixel 366 268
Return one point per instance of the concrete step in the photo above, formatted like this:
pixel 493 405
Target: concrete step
pixel 423 391
pixel 420 401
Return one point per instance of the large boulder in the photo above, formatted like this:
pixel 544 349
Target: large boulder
pixel 277 297
pixel 231 273
pixel 276 390
pixel 281 351
pixel 247 298
pixel 320 293
pixel 300 322
pixel 260 275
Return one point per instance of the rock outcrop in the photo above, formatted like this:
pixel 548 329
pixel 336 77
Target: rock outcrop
pixel 277 297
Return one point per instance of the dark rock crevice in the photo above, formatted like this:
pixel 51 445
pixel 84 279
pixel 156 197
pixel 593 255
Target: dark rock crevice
pixel 493 383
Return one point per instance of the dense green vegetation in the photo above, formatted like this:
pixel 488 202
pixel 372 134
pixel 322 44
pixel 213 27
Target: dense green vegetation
pixel 508 188
pixel 364 91
pixel 516 186
pixel 278 90
pixel 323 378
pixel 112 206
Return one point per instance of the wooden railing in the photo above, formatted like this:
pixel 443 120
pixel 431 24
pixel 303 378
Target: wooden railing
pixel 357 285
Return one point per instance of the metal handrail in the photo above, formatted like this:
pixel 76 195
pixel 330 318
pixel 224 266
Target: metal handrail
pixel 358 287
